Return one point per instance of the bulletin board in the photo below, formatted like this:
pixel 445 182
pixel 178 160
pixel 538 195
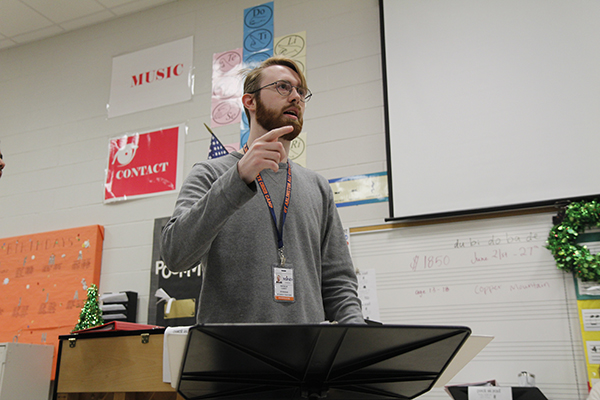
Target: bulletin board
pixel 588 305
pixel 43 282
pixel 589 314
pixel 183 287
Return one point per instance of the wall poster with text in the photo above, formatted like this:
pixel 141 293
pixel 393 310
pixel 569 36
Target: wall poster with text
pixel 44 279
pixel 173 295
pixel 152 78
pixel 144 164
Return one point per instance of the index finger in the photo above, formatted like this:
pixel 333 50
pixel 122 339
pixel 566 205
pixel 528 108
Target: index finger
pixel 276 133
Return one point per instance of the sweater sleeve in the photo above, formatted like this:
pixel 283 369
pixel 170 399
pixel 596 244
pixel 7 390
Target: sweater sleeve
pixel 339 282
pixel 207 199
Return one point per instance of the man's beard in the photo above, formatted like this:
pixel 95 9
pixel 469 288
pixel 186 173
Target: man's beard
pixel 271 119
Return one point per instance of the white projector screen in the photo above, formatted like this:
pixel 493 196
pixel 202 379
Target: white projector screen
pixel 491 104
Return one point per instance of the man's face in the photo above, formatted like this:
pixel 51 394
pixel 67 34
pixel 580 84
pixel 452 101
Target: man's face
pixel 274 110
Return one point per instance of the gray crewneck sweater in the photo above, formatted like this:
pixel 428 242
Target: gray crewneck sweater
pixel 226 225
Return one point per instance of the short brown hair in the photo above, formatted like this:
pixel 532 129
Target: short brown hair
pixel 254 75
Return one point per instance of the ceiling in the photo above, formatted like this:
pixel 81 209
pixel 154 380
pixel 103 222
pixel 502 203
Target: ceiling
pixel 24 21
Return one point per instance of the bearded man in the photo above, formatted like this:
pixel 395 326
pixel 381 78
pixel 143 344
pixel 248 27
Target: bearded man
pixel 265 230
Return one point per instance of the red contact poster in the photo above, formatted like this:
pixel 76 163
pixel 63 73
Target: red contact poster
pixel 144 164
pixel 43 282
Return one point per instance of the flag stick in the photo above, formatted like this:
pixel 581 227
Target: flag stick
pixel 215 136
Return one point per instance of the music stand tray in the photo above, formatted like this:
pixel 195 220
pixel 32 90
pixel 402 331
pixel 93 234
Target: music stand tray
pixel 280 361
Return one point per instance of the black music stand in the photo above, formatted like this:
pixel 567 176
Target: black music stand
pixel 266 361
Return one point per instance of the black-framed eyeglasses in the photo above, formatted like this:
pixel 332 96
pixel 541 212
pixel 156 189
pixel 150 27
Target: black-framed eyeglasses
pixel 285 88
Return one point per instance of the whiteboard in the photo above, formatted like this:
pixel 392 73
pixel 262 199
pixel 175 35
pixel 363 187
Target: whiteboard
pixel 494 276
pixel 490 104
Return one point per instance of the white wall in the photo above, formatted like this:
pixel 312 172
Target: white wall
pixel 54 129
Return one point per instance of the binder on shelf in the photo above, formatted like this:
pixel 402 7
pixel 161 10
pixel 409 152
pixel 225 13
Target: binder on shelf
pixel 280 361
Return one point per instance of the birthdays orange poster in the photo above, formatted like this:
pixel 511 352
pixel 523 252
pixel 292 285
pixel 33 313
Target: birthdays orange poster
pixel 43 282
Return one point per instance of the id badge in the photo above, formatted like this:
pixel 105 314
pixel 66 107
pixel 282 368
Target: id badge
pixel 283 283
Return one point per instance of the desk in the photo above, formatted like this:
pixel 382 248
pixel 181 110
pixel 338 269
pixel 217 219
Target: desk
pixel 124 365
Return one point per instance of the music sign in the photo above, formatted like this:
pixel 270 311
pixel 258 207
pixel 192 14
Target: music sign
pixel 144 164
pixel 151 78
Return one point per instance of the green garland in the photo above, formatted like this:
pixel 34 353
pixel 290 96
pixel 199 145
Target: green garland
pixel 569 255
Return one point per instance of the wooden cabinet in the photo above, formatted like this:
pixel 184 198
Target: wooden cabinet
pixel 112 366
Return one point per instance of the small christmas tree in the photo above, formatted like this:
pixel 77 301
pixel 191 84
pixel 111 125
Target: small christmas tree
pixel 91 314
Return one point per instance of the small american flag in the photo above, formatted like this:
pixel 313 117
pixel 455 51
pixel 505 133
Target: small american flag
pixel 216 148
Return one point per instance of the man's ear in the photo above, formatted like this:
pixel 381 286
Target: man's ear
pixel 249 101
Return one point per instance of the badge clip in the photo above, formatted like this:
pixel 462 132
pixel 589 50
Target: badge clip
pixel 281 257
